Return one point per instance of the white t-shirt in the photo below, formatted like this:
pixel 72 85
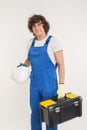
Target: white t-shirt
pixel 53 46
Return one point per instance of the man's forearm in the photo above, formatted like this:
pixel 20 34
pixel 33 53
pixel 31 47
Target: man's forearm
pixel 61 72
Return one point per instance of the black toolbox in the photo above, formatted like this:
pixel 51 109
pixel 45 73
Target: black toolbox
pixel 56 111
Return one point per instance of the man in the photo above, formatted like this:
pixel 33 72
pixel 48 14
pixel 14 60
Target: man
pixel 44 55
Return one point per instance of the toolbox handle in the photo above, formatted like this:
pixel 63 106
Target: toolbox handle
pixel 69 95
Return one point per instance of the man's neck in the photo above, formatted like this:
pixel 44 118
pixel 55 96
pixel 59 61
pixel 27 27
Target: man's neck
pixel 41 37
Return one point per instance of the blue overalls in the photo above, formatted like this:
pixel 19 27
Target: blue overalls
pixel 43 81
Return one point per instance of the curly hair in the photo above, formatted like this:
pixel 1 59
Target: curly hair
pixel 36 19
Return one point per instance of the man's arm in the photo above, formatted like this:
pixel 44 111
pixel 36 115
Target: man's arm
pixel 61 71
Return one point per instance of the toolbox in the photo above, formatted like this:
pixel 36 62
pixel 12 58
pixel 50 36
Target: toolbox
pixel 55 111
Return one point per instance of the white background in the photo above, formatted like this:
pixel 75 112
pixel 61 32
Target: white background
pixel 68 20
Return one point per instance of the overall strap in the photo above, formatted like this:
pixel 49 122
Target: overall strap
pixel 48 39
pixel 33 42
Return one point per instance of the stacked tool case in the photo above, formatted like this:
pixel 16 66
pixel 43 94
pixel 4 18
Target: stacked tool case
pixel 56 111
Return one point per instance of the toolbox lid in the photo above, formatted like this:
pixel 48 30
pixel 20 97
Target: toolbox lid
pixel 71 95
pixel 47 103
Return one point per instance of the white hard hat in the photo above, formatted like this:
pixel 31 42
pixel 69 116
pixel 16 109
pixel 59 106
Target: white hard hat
pixel 21 74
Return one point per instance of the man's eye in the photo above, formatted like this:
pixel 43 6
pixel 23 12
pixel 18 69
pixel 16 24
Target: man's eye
pixel 39 24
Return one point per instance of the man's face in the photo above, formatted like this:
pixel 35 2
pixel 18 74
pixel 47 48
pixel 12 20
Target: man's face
pixel 38 29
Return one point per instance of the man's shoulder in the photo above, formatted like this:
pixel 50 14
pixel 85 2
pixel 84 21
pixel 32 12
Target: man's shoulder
pixel 54 39
pixel 29 43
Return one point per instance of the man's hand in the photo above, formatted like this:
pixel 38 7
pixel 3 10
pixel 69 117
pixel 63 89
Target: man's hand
pixel 61 91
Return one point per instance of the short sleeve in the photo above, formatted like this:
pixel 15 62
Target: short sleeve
pixel 29 44
pixel 56 44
